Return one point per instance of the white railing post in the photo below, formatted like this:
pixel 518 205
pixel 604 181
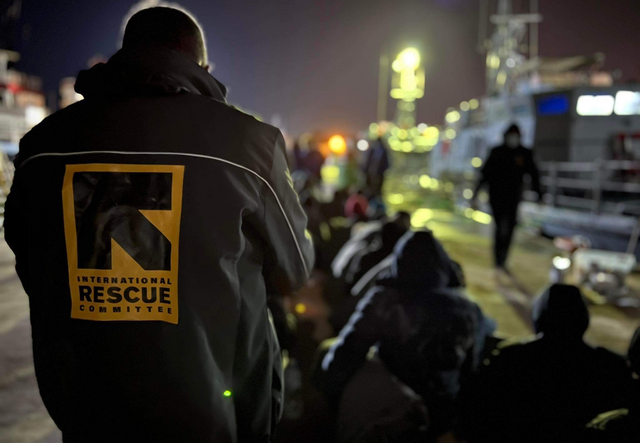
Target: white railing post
pixel 598 171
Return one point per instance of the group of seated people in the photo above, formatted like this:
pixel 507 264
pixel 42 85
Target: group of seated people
pixel 415 359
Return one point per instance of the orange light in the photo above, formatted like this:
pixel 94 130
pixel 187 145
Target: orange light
pixel 337 144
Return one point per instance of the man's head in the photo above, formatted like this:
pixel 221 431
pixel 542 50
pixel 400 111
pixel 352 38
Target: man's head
pixel 512 136
pixel 561 314
pixel 167 28
pixel 403 218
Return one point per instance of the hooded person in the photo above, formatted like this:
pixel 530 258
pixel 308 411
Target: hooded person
pixel 361 238
pixel 548 388
pixel 503 172
pixel 380 272
pixel 375 164
pixel 621 425
pixel 426 334
pixel 149 222
pixel 374 253
pixel 383 269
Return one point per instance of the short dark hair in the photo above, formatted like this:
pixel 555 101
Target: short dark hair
pixel 168 28
pixel 512 129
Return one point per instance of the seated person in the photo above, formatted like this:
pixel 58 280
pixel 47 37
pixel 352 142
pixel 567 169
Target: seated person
pixel 337 228
pixel 371 244
pixel 427 335
pixel 621 425
pixel 383 268
pixel 362 236
pixel 545 389
pixel 379 249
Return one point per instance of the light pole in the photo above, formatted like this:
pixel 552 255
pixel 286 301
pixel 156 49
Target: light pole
pixel 407 86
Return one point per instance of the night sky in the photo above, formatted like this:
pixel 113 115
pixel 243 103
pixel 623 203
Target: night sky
pixel 315 62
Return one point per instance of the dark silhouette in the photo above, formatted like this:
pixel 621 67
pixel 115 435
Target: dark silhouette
pixel 375 164
pixel 427 335
pixel 313 162
pixel 381 247
pixel 356 206
pixel 166 28
pixel 361 240
pixel 183 349
pixel 621 425
pixel 546 389
pixel 504 172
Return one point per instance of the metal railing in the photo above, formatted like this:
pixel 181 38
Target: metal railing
pixel 601 186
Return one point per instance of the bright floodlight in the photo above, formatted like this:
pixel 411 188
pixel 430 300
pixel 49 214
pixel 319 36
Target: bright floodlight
pixel 410 58
pixel 337 144
pixel 561 263
pixel 627 103
pixel 595 105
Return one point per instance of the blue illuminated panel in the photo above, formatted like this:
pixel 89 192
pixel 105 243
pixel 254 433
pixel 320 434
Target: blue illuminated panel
pixel 553 105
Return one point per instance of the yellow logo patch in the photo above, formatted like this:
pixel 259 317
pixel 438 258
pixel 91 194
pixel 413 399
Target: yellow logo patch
pixel 122 230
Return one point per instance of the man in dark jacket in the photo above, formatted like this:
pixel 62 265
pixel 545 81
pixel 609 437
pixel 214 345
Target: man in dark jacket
pixel 504 172
pixel 546 389
pixel 374 253
pixel 621 425
pixel 375 165
pixel 149 221
pixel 428 336
pixel 362 239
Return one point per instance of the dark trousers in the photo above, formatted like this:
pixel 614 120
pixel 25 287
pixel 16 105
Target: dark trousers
pixel 506 218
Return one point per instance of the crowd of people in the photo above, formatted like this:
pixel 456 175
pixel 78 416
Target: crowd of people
pixel 415 360
pixel 161 179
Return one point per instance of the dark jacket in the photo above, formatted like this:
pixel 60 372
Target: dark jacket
pixel 427 335
pixel 384 269
pixel 547 389
pixel 621 425
pixel 377 159
pixel 375 252
pixel 149 221
pixel 356 243
pixel 504 173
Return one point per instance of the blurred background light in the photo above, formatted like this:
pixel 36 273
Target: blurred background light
pixel 362 145
pixel 337 144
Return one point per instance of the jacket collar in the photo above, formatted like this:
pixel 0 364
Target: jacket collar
pixel 155 71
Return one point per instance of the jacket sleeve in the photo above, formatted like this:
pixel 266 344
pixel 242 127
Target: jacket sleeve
pixel 485 173
pixel 534 173
pixel 290 253
pixel 15 227
pixel 349 351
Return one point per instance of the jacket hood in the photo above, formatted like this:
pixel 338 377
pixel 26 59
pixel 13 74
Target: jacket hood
pixel 153 71
pixel 561 313
pixel 390 234
pixel 512 129
pixel 419 262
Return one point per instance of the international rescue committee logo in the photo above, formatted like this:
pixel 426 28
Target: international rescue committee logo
pixel 122 230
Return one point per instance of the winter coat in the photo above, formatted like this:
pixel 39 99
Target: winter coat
pixel 504 173
pixel 149 222
pixel 427 335
pixel 546 389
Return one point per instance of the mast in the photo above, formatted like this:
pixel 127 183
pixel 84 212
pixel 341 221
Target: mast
pixel 505 49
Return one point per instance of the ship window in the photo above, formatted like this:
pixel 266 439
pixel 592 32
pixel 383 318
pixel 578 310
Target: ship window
pixel 553 105
pixel 595 105
pixel 627 103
